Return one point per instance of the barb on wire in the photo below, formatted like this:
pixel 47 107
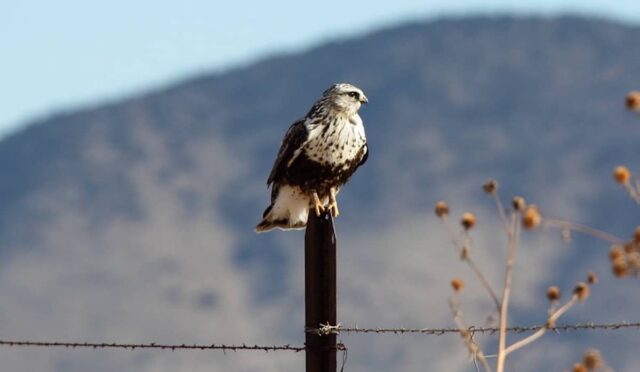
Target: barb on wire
pixel 153 345
pixel 489 330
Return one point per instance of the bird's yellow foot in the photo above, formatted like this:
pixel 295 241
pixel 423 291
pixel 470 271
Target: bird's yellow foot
pixel 333 203
pixel 333 208
pixel 317 205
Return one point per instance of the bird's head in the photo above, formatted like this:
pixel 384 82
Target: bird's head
pixel 345 98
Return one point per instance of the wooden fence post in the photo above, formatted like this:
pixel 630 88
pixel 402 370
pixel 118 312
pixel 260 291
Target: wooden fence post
pixel 320 291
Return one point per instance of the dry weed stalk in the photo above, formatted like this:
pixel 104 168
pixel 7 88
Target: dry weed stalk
pixel 475 352
pixel 624 257
pixel 463 246
pixel 621 173
pixel 519 217
pixel 624 177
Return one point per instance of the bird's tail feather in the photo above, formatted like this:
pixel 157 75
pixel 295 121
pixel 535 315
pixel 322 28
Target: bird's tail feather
pixel 270 222
pixel 289 211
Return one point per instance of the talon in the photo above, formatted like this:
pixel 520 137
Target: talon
pixel 333 203
pixel 334 210
pixel 317 205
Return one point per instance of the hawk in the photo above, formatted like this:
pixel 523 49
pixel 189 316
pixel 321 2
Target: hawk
pixel 319 154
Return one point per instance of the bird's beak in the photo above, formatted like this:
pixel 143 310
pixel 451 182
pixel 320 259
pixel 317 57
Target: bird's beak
pixel 364 100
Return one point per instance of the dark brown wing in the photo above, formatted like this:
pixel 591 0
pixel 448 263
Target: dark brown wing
pixel 293 139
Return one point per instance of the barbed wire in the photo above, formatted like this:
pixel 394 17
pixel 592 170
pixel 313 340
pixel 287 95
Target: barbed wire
pixel 325 329
pixel 153 345
pixel 337 329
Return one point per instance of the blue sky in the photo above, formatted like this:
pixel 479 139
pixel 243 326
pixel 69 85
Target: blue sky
pixel 59 55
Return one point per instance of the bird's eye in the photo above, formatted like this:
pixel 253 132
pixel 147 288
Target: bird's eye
pixel 353 94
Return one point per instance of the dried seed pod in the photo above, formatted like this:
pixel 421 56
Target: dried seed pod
pixel 620 268
pixel 593 359
pixel 633 261
pixel 457 284
pixel 581 291
pixel 518 203
pixel 615 253
pixel 621 174
pixel 579 367
pixel 553 293
pixel 531 218
pixel 633 101
pixel 468 220
pixel 441 209
pixel 629 248
pixel 592 278
pixel 490 187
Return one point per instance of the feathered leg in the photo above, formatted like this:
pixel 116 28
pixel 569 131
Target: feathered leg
pixel 317 204
pixel 333 203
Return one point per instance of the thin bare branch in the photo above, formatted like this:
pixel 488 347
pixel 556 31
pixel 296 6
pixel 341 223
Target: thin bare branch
pixel 512 248
pixel 634 192
pixel 465 255
pixel 503 217
pixel 541 331
pixel 474 349
pixel 602 235
pixel 483 281
pixel 451 232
